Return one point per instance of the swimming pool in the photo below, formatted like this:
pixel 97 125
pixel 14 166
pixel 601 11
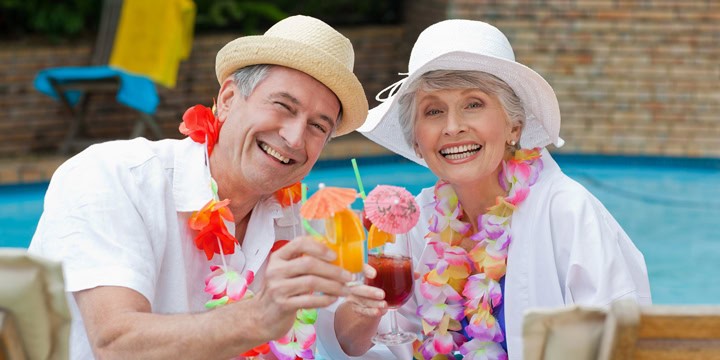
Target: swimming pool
pixel 669 207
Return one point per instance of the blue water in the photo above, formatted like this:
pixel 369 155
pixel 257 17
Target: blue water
pixel 669 207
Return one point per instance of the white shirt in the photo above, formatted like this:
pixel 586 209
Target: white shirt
pixel 566 249
pixel 117 214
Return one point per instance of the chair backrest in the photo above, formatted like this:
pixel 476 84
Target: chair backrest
pixel 625 331
pixel 661 332
pixel 11 347
pixel 109 18
pixel 32 290
pixel 570 333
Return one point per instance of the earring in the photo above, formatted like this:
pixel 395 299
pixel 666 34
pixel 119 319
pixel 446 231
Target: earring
pixel 512 142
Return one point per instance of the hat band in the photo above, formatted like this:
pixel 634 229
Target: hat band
pixel 392 89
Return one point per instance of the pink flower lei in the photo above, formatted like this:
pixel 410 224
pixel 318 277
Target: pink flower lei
pixel 466 284
pixel 224 284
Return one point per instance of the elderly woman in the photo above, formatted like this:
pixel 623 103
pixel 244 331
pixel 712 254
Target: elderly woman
pixel 503 229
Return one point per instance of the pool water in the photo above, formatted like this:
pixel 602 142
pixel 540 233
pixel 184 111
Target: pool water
pixel 669 207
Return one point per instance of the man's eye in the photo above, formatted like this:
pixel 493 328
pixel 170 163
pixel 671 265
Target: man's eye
pixel 283 105
pixel 319 127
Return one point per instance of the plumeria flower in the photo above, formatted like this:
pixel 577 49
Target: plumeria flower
pixel 481 289
pixel 224 281
pixel 484 326
pixel 448 218
pixel 443 190
pixel 290 351
pixel 299 340
pixel 494 268
pixel 440 347
pixel 482 350
pixel 440 293
pixel 296 343
pixel 433 314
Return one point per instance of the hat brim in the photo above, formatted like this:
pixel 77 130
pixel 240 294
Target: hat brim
pixel 261 49
pixel 542 111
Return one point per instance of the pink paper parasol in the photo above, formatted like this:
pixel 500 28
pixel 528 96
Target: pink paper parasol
pixel 392 209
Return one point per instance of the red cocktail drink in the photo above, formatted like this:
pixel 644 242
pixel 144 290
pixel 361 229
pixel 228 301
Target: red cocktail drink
pixel 394 276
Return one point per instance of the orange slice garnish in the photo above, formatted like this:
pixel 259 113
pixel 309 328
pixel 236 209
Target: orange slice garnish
pixel 377 237
pixel 346 227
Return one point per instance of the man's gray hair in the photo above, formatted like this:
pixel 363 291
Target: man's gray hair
pixel 458 79
pixel 247 79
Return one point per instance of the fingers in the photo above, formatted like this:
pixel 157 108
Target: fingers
pixel 305 245
pixel 308 265
pixel 369 271
pixel 367 300
pixel 306 285
pixel 366 292
pixel 310 301
pixel 372 312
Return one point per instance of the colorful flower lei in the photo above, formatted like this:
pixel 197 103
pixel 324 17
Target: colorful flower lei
pixel 466 284
pixel 225 284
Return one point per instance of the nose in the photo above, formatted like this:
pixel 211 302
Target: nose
pixel 293 132
pixel 454 124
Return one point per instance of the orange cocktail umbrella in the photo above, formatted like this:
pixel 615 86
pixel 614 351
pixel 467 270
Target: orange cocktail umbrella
pixel 327 201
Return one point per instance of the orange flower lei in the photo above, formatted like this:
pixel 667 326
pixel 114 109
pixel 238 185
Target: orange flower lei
pixel 223 283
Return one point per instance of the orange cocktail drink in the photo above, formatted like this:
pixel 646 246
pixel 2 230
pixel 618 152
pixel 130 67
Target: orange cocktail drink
pixel 344 234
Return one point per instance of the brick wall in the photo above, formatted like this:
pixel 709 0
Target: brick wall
pixel 32 123
pixel 632 77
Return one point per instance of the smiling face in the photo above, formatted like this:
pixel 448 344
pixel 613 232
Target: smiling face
pixel 273 137
pixel 461 133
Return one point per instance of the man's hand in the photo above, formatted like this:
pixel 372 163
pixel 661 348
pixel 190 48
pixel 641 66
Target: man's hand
pixel 298 276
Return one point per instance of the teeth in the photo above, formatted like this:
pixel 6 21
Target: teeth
pixel 458 150
pixel 274 153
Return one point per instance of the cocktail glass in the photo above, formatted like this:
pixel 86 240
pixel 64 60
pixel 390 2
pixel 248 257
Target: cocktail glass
pixel 394 266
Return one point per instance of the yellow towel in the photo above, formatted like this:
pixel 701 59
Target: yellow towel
pixel 152 37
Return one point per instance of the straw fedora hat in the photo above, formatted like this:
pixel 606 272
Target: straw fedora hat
pixel 309 45
pixel 467 45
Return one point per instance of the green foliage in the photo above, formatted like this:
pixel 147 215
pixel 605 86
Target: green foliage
pixel 56 19
pixel 346 12
pixel 248 16
pixel 67 19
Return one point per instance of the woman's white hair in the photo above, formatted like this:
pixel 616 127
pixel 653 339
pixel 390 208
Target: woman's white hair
pixel 458 79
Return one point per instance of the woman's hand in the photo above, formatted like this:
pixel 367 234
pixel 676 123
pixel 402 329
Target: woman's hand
pixel 353 332
pixel 367 300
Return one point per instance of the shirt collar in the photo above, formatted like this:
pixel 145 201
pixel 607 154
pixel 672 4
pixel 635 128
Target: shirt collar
pixel 191 181
pixel 191 177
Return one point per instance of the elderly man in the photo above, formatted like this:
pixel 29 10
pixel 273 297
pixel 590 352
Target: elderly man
pixel 139 225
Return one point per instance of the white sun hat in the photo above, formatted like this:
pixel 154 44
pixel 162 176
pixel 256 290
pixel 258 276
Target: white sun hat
pixel 309 45
pixel 467 45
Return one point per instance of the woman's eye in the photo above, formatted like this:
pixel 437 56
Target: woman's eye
pixel 475 104
pixel 432 112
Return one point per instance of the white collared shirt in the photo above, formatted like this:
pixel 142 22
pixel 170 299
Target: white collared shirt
pixel 117 213
pixel 566 249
